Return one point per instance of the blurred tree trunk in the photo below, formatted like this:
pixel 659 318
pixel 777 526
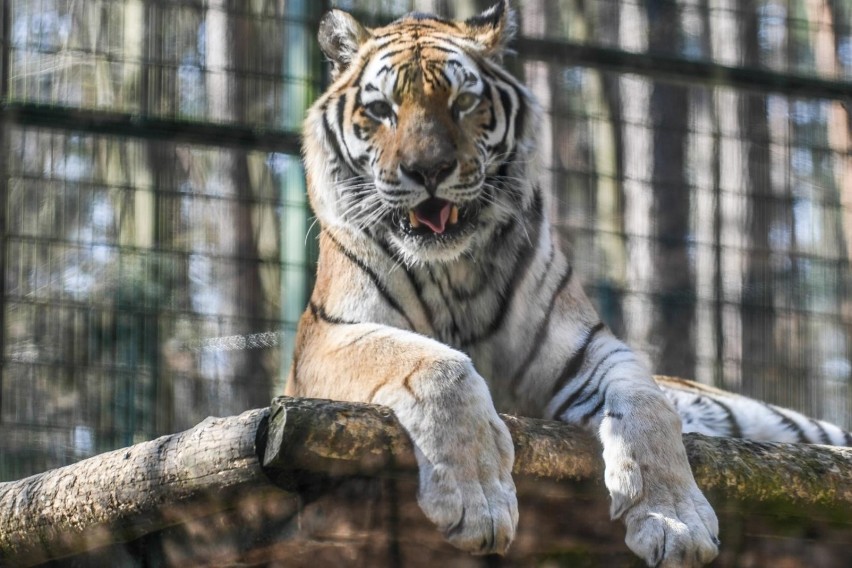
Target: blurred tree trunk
pixel 160 177
pixel 249 294
pixel 757 308
pixel 611 160
pixel 827 45
pixel 4 207
pixel 231 39
pixel 731 189
pixel 704 148
pixel 637 143
pixel 602 103
pixel 221 107
pixel 674 316
pixel 835 391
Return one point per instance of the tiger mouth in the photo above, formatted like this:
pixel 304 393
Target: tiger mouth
pixel 436 217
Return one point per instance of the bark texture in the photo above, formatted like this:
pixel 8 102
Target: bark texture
pixel 343 438
pixel 118 496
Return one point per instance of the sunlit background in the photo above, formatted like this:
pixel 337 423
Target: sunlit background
pixel 157 247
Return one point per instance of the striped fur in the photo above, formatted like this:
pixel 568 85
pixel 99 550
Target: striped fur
pixel 439 269
pixel 715 412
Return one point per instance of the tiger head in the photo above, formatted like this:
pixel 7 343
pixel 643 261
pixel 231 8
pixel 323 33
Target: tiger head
pixel 423 139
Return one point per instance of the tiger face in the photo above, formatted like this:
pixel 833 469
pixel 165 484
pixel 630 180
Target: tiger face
pixel 419 133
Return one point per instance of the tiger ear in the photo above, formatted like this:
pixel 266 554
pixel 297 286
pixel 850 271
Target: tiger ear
pixel 340 36
pixel 494 28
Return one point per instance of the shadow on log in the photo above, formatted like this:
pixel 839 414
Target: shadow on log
pixel 310 482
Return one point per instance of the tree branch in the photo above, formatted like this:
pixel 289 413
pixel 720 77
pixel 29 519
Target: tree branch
pixel 117 496
pixel 342 438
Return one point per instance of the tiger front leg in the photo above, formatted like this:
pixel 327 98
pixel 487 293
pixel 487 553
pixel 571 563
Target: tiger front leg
pixel 464 453
pixel 463 448
pixel 669 521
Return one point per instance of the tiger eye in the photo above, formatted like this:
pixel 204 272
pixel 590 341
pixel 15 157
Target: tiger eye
pixel 465 102
pixel 379 110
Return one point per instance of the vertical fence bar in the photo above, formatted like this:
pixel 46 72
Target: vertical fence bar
pixel 5 47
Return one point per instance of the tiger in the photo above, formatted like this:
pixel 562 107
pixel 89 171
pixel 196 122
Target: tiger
pixel 443 293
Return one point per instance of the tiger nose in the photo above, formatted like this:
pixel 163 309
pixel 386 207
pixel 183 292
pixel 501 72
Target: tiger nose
pixel 429 175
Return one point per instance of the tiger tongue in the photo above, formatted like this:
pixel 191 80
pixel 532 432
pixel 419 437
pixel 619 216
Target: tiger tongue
pixel 434 213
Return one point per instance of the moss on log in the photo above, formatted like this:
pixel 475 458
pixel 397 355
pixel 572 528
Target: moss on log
pixel 344 438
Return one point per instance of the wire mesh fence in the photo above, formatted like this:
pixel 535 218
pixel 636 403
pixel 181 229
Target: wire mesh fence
pixel 710 216
pixel 153 199
pixel 155 233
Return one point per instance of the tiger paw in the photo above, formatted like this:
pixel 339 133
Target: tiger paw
pixel 680 533
pixel 471 497
pixel 669 521
pixel 464 453
pixel 671 525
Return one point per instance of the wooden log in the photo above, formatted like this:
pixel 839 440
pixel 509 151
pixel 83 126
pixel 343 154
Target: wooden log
pixel 343 438
pixel 116 496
